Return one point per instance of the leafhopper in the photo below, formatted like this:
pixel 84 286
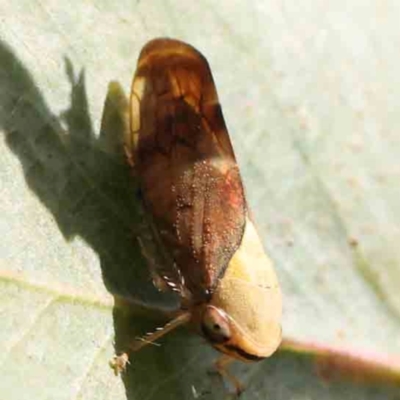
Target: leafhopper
pixel 212 256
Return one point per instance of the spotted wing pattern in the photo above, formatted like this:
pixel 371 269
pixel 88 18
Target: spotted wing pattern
pixel 184 160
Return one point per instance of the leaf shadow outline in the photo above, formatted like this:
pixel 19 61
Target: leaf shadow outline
pixel 88 189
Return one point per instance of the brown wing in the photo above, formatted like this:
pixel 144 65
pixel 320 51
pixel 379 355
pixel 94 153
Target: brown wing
pixel 184 159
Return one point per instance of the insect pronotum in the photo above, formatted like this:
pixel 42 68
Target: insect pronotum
pixel 191 187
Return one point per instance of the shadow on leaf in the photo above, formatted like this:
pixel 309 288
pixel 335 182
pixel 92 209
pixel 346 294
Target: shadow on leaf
pixel 84 181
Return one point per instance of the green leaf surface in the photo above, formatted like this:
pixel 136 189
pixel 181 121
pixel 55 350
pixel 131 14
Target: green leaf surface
pixel 310 95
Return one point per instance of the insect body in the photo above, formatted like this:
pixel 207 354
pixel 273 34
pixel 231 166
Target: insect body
pixel 192 191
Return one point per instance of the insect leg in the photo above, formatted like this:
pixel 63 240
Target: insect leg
pixel 158 281
pixel 118 363
pixel 221 366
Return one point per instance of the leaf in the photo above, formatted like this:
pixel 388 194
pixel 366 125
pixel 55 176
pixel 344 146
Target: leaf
pixel 309 97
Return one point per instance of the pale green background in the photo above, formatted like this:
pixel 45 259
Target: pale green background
pixel 310 92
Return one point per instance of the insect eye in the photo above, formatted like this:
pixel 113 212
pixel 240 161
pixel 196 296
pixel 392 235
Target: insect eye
pixel 215 325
